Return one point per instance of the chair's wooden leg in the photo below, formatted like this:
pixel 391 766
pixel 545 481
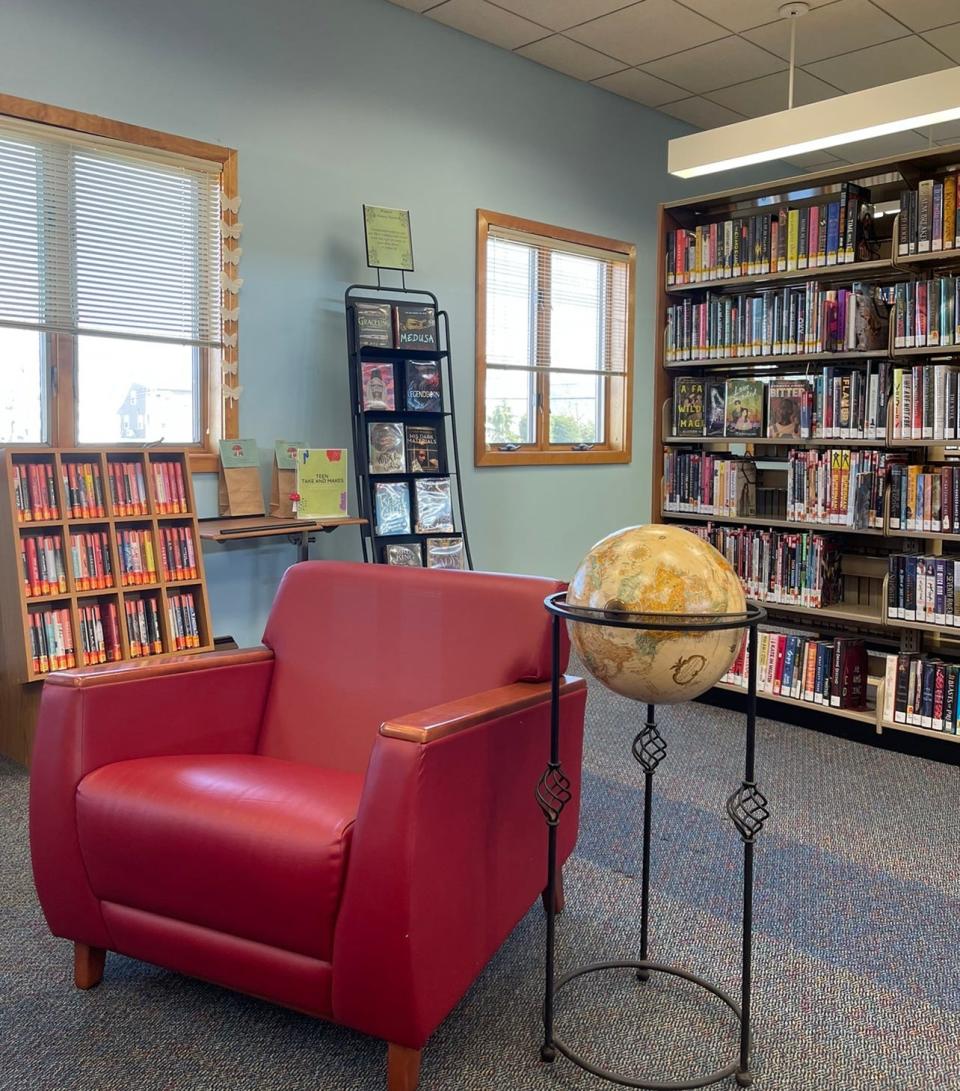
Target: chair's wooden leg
pixel 88 965
pixel 403 1068
pixel 560 902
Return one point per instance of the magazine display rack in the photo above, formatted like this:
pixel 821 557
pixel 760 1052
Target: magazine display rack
pixel 404 427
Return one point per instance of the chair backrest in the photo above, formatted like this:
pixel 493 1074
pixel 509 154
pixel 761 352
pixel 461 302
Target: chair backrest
pixel 358 644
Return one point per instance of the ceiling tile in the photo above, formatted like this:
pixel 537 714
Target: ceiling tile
pixel 715 64
pixel 570 57
pixel 920 14
pixel 640 87
pixel 884 63
pixel 768 95
pixel 742 14
pixel 643 32
pixel 701 112
pixel 946 38
pixel 560 14
pixel 813 160
pixel 415 5
pixel 830 30
pixel 488 22
pixel 948 132
pixel 880 147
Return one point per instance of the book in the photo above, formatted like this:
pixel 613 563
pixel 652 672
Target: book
pixel 785 401
pixel 385 448
pixel 321 486
pixel 446 553
pixel 744 409
pixel 688 412
pixel 374 324
pixel 377 388
pixel 423 452
pixel 423 386
pixel 714 406
pixel 434 507
pixel 391 507
pixel 415 326
pixel 407 555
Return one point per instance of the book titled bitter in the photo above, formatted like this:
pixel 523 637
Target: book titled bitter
pixel 688 407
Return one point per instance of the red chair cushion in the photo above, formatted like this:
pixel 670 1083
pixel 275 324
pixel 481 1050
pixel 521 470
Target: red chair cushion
pixel 248 845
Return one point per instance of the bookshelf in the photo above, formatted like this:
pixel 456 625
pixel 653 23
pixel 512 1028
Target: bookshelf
pixel 705 276
pixel 100 561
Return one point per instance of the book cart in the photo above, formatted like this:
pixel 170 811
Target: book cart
pixel 378 545
pixel 913 239
pixel 101 562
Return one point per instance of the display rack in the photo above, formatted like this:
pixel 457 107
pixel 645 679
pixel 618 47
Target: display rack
pixel 21 678
pixel 444 420
pixel 863 610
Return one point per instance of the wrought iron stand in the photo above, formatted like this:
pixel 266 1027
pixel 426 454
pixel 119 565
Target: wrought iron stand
pixel 747 808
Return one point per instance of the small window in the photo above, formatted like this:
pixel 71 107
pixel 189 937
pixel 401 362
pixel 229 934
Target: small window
pixel 110 283
pixel 554 344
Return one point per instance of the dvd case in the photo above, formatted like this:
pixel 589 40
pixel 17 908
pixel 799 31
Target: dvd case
pixel 434 506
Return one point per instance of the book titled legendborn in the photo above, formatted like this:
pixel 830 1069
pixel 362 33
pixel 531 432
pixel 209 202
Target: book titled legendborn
pixel 423 386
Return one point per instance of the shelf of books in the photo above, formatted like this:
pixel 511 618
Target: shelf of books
pixel 808 384
pixel 406 455
pixel 100 563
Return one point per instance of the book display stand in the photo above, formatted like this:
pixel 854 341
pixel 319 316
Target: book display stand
pixel 746 808
pixel 100 561
pixel 405 450
pixel 807 424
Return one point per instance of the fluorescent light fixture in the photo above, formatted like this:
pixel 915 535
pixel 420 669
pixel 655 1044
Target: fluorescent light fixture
pixel 893 108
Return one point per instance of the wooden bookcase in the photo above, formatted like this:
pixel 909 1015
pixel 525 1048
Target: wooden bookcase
pixel 20 682
pixel 863 610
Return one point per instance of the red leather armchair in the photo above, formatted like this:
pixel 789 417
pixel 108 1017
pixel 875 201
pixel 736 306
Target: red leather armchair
pixel 342 821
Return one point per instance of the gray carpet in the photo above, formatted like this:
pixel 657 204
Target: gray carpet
pixel 857 944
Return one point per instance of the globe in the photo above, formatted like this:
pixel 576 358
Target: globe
pixel 656 569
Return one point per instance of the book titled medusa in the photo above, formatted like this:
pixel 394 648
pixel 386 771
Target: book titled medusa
pixel 744 407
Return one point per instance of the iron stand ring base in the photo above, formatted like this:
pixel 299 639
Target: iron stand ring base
pixel 743 1078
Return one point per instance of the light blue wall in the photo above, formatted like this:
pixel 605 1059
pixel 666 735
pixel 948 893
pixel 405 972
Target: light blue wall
pixel 332 103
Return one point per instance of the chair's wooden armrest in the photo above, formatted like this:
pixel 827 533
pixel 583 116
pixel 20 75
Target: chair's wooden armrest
pixel 442 720
pixel 108 674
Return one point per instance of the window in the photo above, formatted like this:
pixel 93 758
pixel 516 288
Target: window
pixel 110 283
pixel 554 344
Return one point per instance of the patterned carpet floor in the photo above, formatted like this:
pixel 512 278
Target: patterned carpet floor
pixel 857 944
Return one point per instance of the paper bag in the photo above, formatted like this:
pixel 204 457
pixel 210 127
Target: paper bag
pixel 239 491
pixel 284 478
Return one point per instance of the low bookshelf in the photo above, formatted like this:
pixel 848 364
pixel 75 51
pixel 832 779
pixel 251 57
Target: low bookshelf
pixel 807 418
pixel 100 561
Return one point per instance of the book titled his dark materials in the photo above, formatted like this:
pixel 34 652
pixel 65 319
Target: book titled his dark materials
pixel 392 507
pixel 423 452
pixel 434 506
pixel 423 386
pixel 408 555
pixel 374 324
pixel 714 406
pixel 416 326
pixel 744 408
pixel 688 407
pixel 385 446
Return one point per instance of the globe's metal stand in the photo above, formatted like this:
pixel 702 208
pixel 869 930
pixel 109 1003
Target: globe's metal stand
pixel 747 808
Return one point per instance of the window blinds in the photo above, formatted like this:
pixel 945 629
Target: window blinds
pixel 554 306
pixel 97 237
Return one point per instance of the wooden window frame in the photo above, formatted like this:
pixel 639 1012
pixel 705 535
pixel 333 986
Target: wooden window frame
pixel 618 409
pixel 61 348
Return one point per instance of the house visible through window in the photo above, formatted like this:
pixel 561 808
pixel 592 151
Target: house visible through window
pixel 110 265
pixel 554 344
